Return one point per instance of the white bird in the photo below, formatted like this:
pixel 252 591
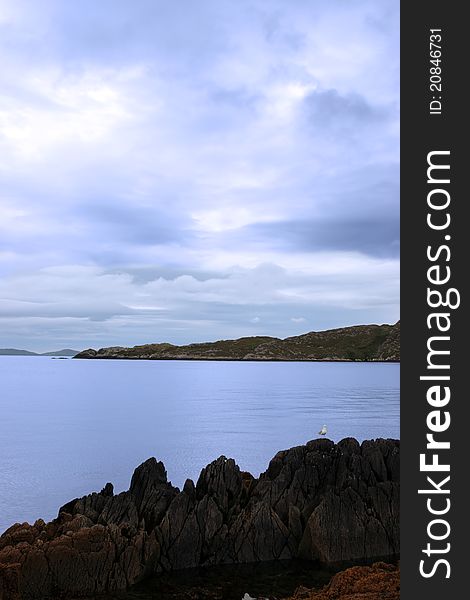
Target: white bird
pixel 322 430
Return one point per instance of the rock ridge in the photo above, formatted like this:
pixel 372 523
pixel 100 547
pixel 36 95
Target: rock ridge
pixel 321 501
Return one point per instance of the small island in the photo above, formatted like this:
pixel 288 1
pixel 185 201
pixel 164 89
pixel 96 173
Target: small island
pixel 379 343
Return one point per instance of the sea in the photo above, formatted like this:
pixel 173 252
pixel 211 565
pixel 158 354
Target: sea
pixel 67 427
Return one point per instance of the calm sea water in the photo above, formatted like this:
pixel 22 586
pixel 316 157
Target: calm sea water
pixel 69 426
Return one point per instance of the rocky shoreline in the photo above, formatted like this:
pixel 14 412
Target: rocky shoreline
pixel 326 502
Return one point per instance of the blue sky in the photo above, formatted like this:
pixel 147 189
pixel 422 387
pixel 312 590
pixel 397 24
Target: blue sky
pixel 188 171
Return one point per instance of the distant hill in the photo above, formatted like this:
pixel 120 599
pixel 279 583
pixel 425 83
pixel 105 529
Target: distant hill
pixel 358 343
pixel 66 352
pixel 14 352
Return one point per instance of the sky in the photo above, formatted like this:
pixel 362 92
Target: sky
pixel 188 171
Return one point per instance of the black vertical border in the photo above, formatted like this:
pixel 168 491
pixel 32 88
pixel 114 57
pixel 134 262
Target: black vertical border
pixel 420 134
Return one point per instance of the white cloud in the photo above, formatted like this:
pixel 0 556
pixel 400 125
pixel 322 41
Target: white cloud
pixel 81 109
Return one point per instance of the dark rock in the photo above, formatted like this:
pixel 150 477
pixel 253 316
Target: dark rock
pixel 9 579
pixel 108 490
pixel 326 501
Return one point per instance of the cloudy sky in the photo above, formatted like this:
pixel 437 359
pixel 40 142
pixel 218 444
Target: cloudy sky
pixel 186 171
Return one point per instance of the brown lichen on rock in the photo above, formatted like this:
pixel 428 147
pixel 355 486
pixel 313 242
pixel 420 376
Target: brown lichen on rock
pixel 381 581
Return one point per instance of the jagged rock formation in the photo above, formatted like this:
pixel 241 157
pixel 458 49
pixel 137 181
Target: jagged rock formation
pixel 322 501
pixel 362 342
pixel 378 582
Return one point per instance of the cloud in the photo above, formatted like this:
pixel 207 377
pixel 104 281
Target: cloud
pixel 370 235
pixel 175 173
pixel 341 114
pixel 109 305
